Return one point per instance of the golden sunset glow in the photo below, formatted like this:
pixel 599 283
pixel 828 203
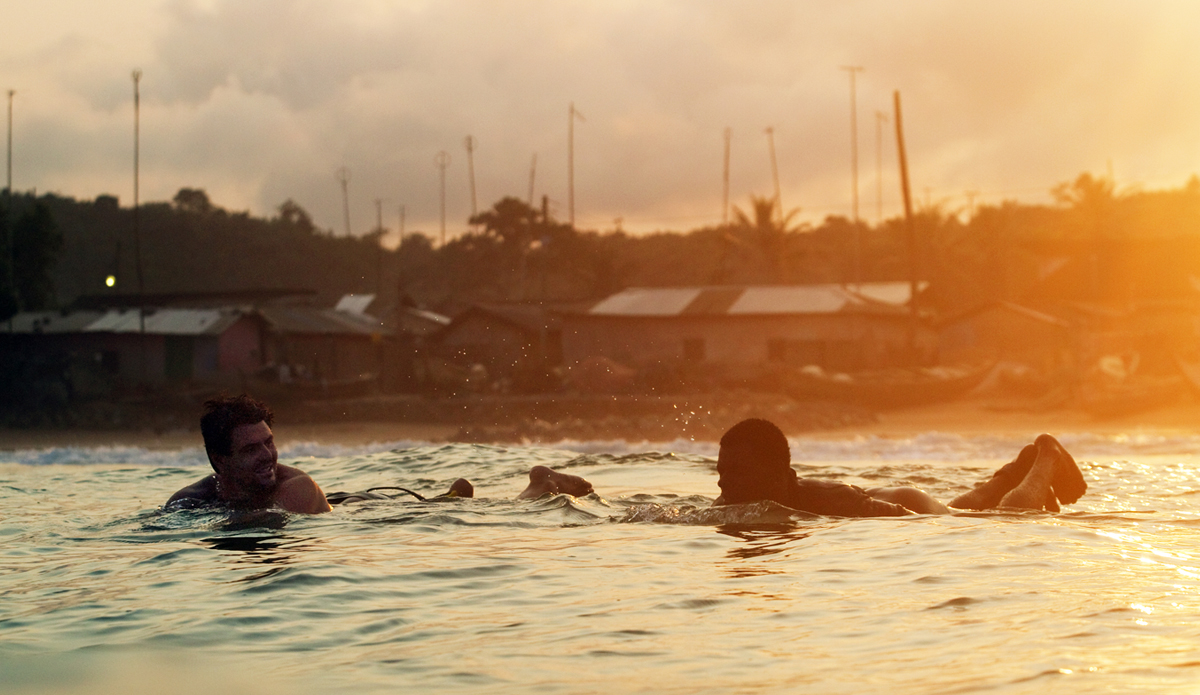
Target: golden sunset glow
pixel 260 102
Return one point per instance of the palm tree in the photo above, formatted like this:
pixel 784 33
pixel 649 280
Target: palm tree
pixel 768 229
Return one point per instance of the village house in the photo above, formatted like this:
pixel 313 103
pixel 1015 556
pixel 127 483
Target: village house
pixel 1008 332
pixel 153 347
pixel 323 345
pixel 516 345
pixel 835 327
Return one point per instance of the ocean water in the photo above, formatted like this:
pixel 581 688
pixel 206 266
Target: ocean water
pixel 639 588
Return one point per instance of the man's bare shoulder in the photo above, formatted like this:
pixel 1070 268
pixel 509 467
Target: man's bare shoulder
pixel 203 491
pixel 297 492
pixel 285 473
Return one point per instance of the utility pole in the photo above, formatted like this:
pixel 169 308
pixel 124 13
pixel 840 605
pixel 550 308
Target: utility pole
pixel 880 119
pixel 442 159
pixel 725 178
pixel 8 187
pixel 910 231
pixel 545 224
pixel 379 249
pixel 571 116
pixel 399 264
pixel 470 143
pixel 971 204
pixel 775 170
pixel 854 70
pixel 12 268
pixel 137 232
pixel 532 174
pixel 343 177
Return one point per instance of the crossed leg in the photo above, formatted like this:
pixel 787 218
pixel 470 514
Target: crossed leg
pixel 1043 475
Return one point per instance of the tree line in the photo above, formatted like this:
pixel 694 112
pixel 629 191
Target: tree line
pixel 1110 245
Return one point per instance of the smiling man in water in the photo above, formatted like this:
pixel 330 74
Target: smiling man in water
pixel 247 473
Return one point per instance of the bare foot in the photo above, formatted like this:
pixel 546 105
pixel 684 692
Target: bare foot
pixel 1036 491
pixel 1068 481
pixel 988 494
pixel 543 480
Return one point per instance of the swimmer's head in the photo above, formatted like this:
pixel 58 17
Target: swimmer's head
pixel 754 462
pixel 543 480
pixel 224 413
pixel 461 488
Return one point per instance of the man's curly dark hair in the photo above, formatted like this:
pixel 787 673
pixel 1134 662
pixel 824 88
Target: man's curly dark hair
pixel 222 414
pixel 762 437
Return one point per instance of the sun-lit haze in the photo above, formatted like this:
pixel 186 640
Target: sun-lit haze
pixel 258 102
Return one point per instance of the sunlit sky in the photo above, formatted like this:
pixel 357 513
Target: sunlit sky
pixel 257 101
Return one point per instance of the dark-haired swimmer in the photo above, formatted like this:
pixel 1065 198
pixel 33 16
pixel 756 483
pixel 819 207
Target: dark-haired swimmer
pixel 754 464
pixel 246 469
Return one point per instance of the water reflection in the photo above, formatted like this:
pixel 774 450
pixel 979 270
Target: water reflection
pixel 761 541
pixel 259 518
pixel 245 544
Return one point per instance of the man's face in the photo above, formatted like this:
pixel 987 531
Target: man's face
pixel 734 468
pixel 250 470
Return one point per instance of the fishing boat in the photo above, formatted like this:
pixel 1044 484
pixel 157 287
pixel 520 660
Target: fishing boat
pixel 1134 395
pixel 891 388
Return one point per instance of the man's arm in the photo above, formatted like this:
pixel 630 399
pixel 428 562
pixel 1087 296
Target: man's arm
pixel 203 491
pixel 299 493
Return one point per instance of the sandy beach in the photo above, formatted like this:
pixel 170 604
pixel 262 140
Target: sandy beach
pixel 961 417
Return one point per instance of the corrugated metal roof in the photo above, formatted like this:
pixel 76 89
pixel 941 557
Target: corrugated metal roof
pixel 776 299
pixel 803 299
pixel 298 319
pixel 51 322
pixel 166 321
pixel 665 301
pixel 354 303
pixel 419 322
pixel 713 300
pixel 898 293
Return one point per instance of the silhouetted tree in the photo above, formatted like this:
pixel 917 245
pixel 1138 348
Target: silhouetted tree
pixel 768 230
pixel 193 200
pixel 36 247
pixel 291 214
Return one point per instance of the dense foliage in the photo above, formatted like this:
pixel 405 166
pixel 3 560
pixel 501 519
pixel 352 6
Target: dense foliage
pixel 1094 244
pixel 30 244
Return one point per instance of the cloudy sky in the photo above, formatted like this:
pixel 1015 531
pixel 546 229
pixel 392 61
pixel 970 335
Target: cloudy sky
pixel 258 101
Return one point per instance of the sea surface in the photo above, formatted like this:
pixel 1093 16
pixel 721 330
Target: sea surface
pixel 639 588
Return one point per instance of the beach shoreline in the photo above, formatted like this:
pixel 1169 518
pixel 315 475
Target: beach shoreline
pixel 963 417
